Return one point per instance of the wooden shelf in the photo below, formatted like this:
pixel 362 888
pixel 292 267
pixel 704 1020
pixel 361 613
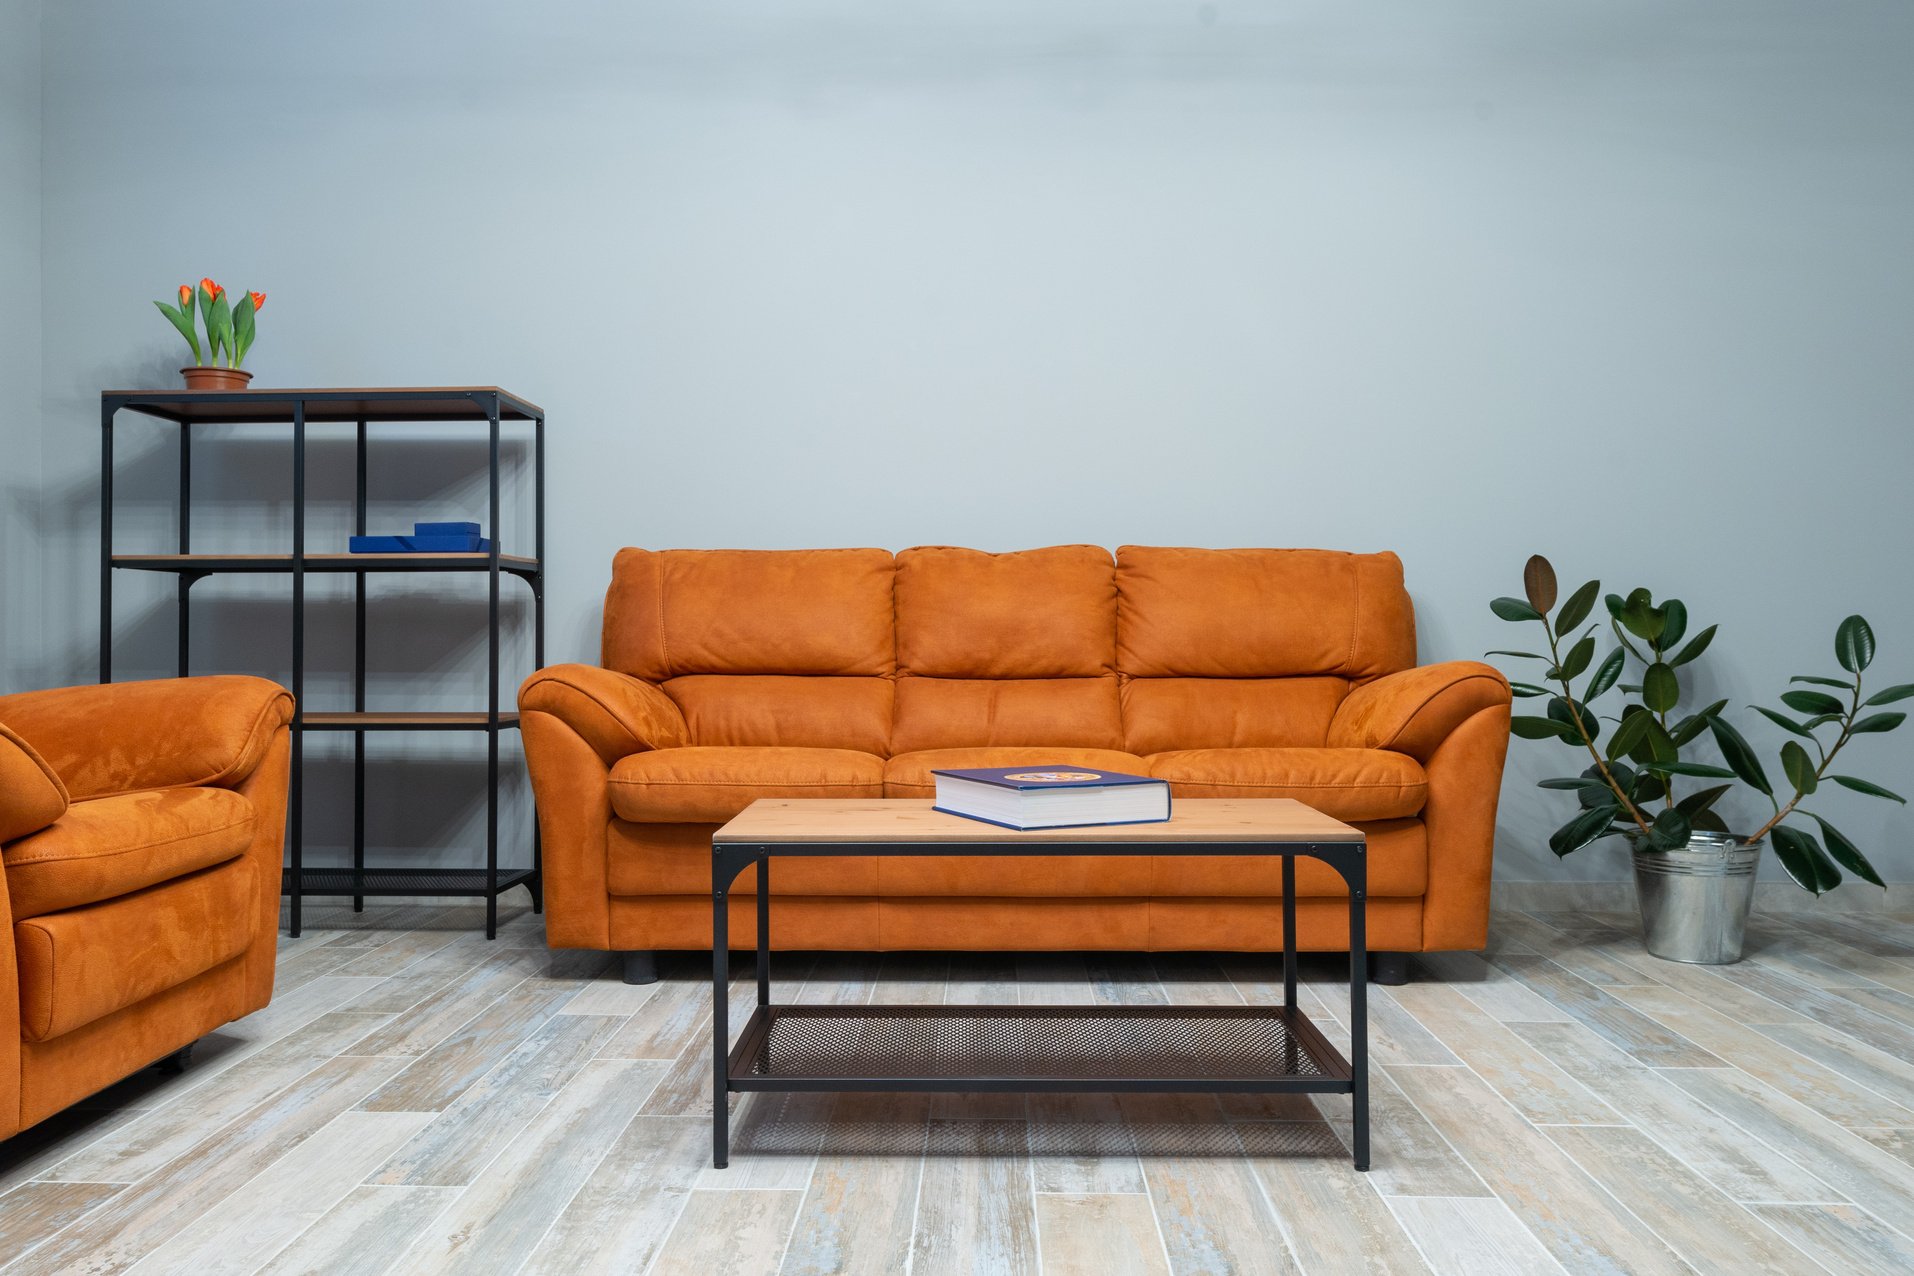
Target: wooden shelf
pixel 268 564
pixel 377 721
pixel 335 406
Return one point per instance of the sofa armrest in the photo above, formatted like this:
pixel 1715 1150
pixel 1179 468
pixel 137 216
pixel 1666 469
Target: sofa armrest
pixel 616 714
pixel 1415 710
pixel 121 737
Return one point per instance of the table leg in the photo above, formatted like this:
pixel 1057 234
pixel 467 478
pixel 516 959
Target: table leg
pixel 720 1029
pixel 1358 879
pixel 1290 1060
pixel 764 930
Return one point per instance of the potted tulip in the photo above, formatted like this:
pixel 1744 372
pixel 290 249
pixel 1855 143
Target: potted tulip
pixel 1694 874
pixel 229 334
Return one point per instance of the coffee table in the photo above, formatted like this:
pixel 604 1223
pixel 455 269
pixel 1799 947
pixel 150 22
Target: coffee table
pixel 1033 1048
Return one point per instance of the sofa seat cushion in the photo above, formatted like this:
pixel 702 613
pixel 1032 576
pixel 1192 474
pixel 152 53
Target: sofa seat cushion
pixel 112 846
pixel 1397 857
pixel 707 784
pixel 1346 784
pixel 908 775
pixel 85 963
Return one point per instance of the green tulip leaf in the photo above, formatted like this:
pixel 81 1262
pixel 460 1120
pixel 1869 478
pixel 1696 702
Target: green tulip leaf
pixel 1739 756
pixel 1864 786
pixel 1854 644
pixel 183 320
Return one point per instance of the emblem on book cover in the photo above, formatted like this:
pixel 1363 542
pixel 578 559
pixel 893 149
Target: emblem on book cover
pixel 1053 777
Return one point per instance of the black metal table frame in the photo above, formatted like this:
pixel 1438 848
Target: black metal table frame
pixel 728 859
pixel 490 407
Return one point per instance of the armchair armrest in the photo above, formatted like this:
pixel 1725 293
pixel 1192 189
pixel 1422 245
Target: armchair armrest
pixel 1415 710
pixel 122 737
pixel 616 714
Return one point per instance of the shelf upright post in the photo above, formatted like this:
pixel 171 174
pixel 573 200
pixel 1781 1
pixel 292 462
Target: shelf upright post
pixel 107 409
pixel 491 691
pixel 359 688
pixel 297 831
pixel 185 582
pixel 538 633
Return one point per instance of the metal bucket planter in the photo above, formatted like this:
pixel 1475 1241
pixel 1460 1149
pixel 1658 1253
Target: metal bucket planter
pixel 1695 901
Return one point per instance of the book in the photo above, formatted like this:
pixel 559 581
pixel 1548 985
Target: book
pixel 1052 796
pixel 460 544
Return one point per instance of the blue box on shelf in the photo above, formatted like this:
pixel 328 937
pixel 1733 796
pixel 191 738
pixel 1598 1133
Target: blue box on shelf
pixel 446 529
pixel 421 545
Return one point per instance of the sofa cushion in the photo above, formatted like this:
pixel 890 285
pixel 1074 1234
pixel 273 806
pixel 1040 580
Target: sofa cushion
pixel 737 611
pixel 675 859
pixel 31 795
pixel 82 964
pixel 1037 613
pixel 113 846
pixel 767 710
pixel 1346 784
pixel 1165 714
pixel 709 785
pixel 1261 613
pixel 949 713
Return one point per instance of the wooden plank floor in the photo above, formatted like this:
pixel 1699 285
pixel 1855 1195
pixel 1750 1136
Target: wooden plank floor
pixel 419 1100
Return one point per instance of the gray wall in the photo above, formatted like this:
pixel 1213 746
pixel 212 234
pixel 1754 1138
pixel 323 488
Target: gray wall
pixel 1627 282
pixel 20 351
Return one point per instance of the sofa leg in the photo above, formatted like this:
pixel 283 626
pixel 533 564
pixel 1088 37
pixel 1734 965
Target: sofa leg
pixel 641 967
pixel 177 1062
pixel 1389 968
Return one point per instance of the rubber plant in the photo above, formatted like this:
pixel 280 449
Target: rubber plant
pixel 229 329
pixel 1637 755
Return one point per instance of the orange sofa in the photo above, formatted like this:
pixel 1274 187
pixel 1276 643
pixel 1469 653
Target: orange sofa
pixel 731 675
pixel 140 828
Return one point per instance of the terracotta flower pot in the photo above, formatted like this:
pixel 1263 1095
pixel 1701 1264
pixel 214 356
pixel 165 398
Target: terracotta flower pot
pixel 215 378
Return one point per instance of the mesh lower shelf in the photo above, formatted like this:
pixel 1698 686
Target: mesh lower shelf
pixel 1032 1043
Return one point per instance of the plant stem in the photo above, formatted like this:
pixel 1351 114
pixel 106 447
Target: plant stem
pixel 1847 731
pixel 1568 696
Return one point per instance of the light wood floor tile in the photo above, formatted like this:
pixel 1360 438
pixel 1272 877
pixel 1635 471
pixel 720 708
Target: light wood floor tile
pixel 1894 1142
pixel 1052 979
pixel 728 1234
pixel 671 1019
pixel 440 1075
pixel 1080 1144
pixel 982 979
pixel 419 1024
pixel 838 979
pixel 1702 1225
pixel 1626 1027
pixel 774 1142
pixel 617 1221
pixel 292 1194
pixel 1124 979
pixel 975 1211
pixel 1214 1216
pixel 610 996
pixel 1888 1075
pixel 1830 1009
pixel 856 1218
pixel 1539 1089
pixel 1329 1212
pixel 1099 1235
pixel 911 979
pixel 1573 1218
pixel 399 953
pixel 34 1211
pixel 363 1234
pixel 1472 1236
pixel 1496 991
pixel 1408 1156
pixel 1844 1238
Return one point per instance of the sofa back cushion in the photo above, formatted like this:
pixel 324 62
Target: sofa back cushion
pixel 1006 649
pixel 1252 648
pixel 760 647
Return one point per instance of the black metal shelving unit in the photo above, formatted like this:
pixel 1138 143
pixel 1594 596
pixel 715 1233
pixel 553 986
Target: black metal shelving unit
pixel 361 408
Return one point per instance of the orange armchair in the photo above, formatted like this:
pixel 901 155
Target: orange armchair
pixel 141 827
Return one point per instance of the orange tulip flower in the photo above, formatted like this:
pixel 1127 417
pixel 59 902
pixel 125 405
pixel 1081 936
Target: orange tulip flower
pixel 259 299
pixel 210 288
pixel 185 296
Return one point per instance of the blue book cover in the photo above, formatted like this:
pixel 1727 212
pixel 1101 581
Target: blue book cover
pixel 1027 778
pixel 446 529
pixel 420 545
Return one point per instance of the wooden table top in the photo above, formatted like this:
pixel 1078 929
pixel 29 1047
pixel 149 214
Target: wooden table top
pixel 876 820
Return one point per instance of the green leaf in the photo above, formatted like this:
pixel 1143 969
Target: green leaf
pixel 1864 786
pixel 1583 829
pixel 1674 614
pixel 1854 644
pixel 1783 721
pixel 1799 767
pixel 1660 691
pixel 1524 689
pixel 1735 750
pixel 1514 609
pixel 1875 722
pixel 1657 745
pixel 1804 859
pixel 184 322
pixel 1695 803
pixel 1538 584
pixel 1700 770
pixel 1811 702
pixel 1696 645
pixel 1576 609
pixel 1846 853
pixel 1577 659
pixel 1822 682
pixel 1709 822
pixel 1559 710
pixel 1574 783
pixel 1892 694
pixel 1525 655
pixel 1640 618
pixel 1648 787
pixel 242 329
pixel 1670 831
pixel 1533 728
pixel 1614 604
pixel 1606 674
pixel 1631 732
pixel 1685 731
